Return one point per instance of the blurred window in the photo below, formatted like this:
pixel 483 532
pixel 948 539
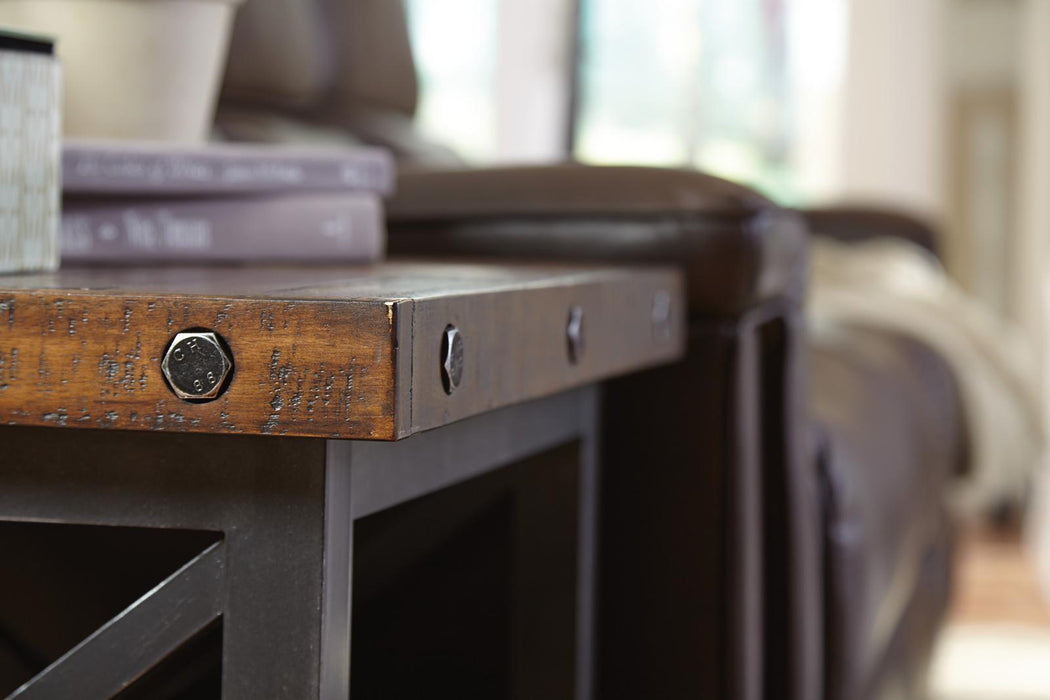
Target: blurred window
pixel 750 90
pixel 455 45
pixel 721 86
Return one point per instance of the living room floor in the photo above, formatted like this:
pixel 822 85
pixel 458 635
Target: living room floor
pixel 997 642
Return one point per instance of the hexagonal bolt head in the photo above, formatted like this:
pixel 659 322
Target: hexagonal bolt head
pixel 574 334
pixel 196 365
pixel 661 315
pixel 451 359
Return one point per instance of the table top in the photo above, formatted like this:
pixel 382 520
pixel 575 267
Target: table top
pixel 334 351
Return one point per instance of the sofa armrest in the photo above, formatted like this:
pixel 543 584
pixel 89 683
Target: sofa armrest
pixel 712 573
pixel 737 248
pixel 853 223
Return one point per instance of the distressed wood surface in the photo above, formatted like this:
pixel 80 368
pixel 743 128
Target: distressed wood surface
pixel 90 359
pixel 349 352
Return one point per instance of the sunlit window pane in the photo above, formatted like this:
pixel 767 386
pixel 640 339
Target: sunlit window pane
pixel 707 84
pixel 455 47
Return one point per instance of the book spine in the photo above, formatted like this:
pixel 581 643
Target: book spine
pixel 30 129
pixel 296 228
pixel 89 171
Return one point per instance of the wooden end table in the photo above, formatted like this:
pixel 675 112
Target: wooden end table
pixel 317 436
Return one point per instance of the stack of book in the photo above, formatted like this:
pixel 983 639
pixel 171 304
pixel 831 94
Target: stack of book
pixel 222 203
pixel 30 116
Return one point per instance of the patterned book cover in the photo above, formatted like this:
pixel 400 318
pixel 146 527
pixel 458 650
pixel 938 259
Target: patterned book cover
pixel 30 171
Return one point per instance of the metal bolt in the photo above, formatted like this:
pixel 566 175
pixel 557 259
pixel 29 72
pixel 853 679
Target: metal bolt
pixel 451 359
pixel 661 315
pixel 196 365
pixel 574 334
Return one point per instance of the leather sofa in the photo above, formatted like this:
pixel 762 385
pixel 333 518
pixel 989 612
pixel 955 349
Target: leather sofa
pixel 710 561
pixel 782 532
pixel 779 532
pixel 891 440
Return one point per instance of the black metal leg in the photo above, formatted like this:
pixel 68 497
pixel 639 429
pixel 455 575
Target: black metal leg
pixel 338 575
pixel 587 565
pixel 272 621
pixel 554 619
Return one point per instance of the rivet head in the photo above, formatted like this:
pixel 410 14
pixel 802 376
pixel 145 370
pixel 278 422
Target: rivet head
pixel 661 315
pixel 451 359
pixel 574 334
pixel 197 365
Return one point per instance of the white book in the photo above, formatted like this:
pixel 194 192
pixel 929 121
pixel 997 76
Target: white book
pixel 30 168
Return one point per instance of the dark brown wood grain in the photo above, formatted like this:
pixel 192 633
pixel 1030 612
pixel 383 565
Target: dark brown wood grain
pixel 92 359
pixel 349 352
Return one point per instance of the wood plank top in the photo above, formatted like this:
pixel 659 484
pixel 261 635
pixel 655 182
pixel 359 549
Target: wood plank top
pixel 334 351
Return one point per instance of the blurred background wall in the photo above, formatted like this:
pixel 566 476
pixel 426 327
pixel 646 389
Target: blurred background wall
pixel 893 113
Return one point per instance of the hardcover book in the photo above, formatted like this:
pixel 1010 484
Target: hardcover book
pixel 298 227
pixel 145 169
pixel 30 116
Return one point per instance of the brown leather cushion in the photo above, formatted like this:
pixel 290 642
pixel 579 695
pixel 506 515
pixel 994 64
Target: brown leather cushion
pixel 736 247
pixel 892 426
pixel 903 671
pixel 851 223
pixel 568 190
